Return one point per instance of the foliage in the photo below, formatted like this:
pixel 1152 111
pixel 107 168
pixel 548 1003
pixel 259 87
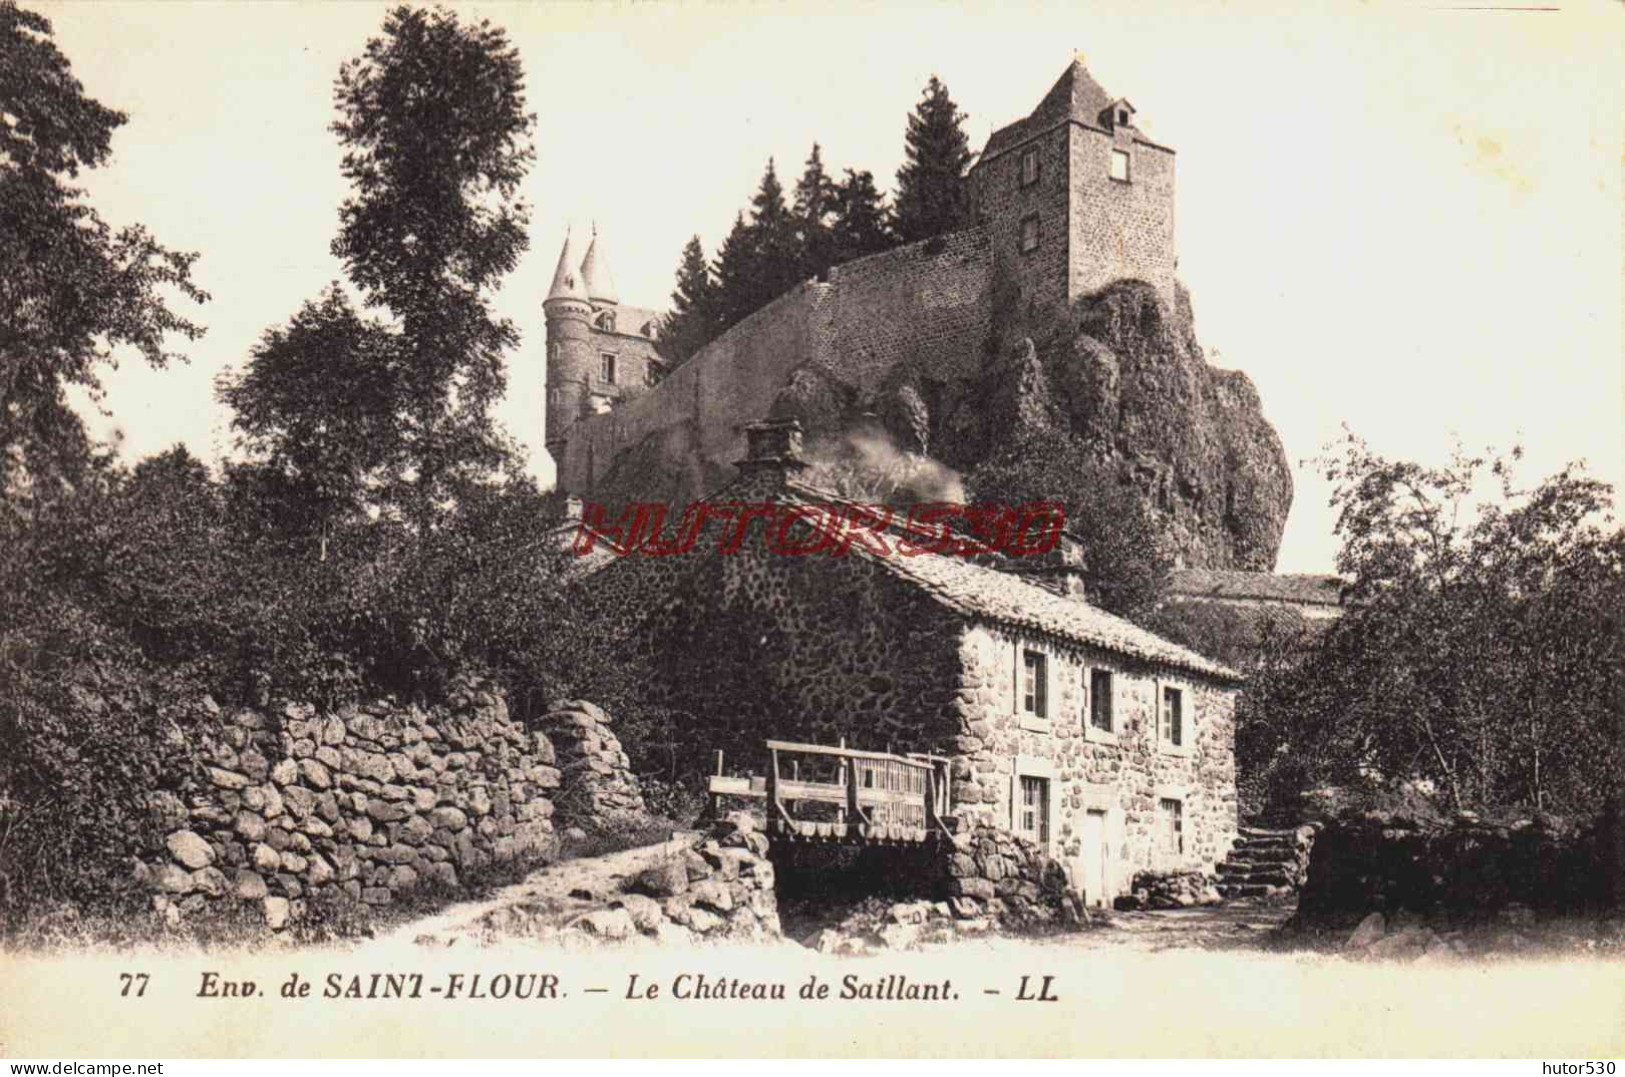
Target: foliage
pixel 863 221
pixel 436 137
pixel 1241 638
pixel 1126 564
pixel 813 208
pixel 931 196
pixel 692 321
pixel 1480 651
pixel 72 290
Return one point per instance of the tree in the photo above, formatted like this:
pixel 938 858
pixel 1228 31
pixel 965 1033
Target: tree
pixel 930 185
pixel 1479 652
pixel 432 119
pixel 862 223
pixel 72 290
pixel 1125 563
pixel 316 407
pixel 813 208
pixel 692 322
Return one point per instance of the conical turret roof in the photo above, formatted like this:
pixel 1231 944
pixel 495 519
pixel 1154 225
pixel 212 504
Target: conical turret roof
pixel 567 283
pixel 595 271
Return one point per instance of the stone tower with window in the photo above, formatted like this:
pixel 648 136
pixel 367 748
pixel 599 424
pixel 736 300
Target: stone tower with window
pixel 1074 197
pixel 599 351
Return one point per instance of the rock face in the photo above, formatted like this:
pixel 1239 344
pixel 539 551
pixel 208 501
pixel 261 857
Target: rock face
pixel 369 802
pixel 1127 377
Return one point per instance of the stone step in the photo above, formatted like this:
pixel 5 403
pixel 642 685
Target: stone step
pixel 1263 832
pixel 1269 878
pixel 1239 890
pixel 1251 867
pixel 1277 849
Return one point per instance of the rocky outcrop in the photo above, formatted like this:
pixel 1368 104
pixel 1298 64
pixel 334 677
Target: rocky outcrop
pixel 597 790
pixel 293 805
pixel 1127 377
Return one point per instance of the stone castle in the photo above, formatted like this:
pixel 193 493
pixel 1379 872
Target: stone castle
pixel 1074 227
pixel 1068 199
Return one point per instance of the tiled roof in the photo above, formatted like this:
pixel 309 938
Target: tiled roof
pixel 1303 588
pixel 630 320
pixel 978 591
pixel 987 593
pixel 1076 95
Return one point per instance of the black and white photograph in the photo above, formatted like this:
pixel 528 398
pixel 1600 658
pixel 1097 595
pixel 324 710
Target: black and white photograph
pixel 678 529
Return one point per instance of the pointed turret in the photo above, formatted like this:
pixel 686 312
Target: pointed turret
pixel 566 279
pixel 595 271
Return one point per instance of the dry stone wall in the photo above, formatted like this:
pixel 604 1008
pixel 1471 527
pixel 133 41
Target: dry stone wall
pixel 598 789
pixel 293 805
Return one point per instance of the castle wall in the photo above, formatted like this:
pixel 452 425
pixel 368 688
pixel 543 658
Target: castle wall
pixel 1120 230
pixel 929 303
pixel 729 382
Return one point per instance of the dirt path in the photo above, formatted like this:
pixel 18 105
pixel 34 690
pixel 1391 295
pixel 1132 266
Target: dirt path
pixel 1244 924
pixel 550 887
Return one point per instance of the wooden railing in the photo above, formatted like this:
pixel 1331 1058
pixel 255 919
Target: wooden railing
pixel 814 791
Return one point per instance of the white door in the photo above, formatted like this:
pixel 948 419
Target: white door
pixel 1094 858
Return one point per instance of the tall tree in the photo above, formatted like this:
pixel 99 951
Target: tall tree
pixel 930 185
pixel 814 207
pixel 775 242
pixel 693 318
pixel 436 137
pixel 862 223
pixel 72 290
pixel 735 274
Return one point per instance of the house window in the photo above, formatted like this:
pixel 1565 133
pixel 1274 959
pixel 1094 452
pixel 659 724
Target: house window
pixel 606 320
pixel 651 373
pixel 1033 684
pixel 1029 233
pixel 1029 167
pixel 1171 816
pixel 553 349
pixel 1172 727
pixel 1100 699
pixel 1120 165
pixel 1122 115
pixel 552 398
pixel 1032 815
pixel 606 368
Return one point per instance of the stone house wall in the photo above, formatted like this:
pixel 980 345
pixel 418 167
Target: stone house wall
pixel 1124 775
pixel 292 805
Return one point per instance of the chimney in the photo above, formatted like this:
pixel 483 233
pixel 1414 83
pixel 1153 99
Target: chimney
pixel 772 450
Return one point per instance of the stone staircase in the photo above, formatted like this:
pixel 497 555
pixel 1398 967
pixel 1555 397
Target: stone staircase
pixel 1266 863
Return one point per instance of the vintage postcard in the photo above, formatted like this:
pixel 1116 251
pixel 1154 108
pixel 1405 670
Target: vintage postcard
pixel 819 530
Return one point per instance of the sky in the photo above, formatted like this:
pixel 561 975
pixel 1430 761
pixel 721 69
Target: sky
pixel 1404 219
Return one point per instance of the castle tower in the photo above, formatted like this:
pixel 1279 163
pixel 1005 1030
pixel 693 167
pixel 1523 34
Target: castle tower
pixel 1075 197
pixel 600 351
pixel 570 355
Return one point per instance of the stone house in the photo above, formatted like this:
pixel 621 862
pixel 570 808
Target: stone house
pixel 1108 745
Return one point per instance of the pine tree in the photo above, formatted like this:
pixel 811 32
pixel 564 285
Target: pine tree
pixel 693 318
pixel 777 244
pixel 814 207
pixel 930 185
pixel 862 224
pixel 733 268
